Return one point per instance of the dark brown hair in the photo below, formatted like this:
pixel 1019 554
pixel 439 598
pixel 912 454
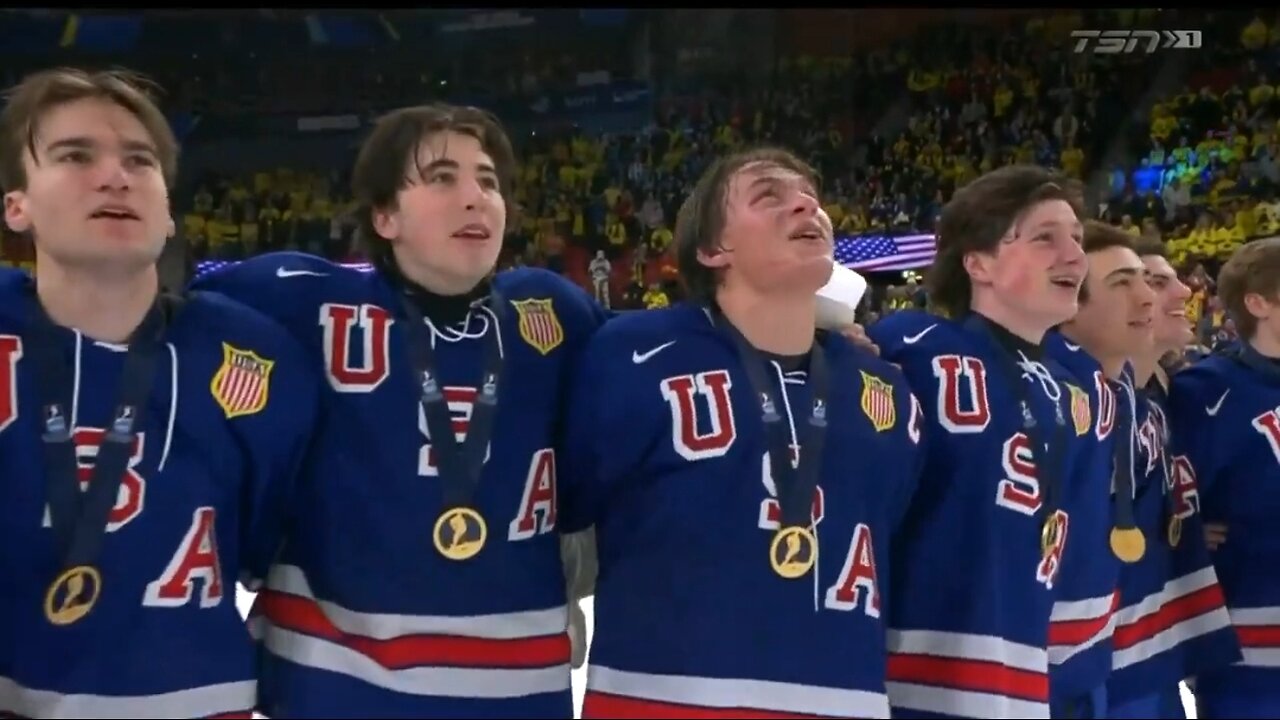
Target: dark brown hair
pixel 1150 246
pixel 396 140
pixel 978 216
pixel 701 220
pixel 1254 268
pixel 43 91
pixel 1099 236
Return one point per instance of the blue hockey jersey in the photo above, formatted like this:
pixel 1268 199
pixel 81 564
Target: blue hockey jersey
pixel 973 588
pixel 1083 620
pixel 1172 623
pixel 667 458
pixel 362 615
pixel 203 501
pixel 1225 412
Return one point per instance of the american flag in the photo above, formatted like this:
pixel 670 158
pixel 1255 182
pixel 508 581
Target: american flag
pixel 878 253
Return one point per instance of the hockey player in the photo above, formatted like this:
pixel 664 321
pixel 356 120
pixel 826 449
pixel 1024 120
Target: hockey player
pixel 1112 325
pixel 1172 623
pixel 976 568
pixel 423 576
pixel 743 473
pixel 1224 415
pixel 148 442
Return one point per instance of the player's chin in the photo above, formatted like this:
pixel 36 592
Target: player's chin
pixel 1059 310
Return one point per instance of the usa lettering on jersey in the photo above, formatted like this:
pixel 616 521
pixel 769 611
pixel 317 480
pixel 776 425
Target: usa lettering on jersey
pixel 10 354
pixel 368 328
pixel 686 395
pixel 964 408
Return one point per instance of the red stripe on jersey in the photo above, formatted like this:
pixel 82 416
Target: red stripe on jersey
pixel 1256 636
pixel 981 676
pixel 605 705
pixel 1078 632
pixel 290 612
pixel 1191 605
pixel 238 715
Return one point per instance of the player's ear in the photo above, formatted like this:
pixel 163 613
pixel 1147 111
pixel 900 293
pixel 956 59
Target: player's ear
pixel 978 266
pixel 1257 305
pixel 15 211
pixel 714 257
pixel 386 222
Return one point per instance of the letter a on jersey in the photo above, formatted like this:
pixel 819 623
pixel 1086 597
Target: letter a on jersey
pixel 242 384
pixel 538 324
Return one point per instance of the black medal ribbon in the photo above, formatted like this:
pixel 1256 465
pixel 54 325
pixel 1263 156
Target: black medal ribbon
pixel 1122 457
pixel 460 466
pixel 795 485
pixel 1046 456
pixel 79 519
pixel 1127 541
pixel 1157 395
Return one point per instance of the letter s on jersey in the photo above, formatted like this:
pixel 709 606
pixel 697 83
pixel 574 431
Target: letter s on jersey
pixel 537 512
pixel 681 393
pixel 1019 491
pixel 10 353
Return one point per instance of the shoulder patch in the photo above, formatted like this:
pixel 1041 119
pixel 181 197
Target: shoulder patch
pixel 1080 414
pixel 877 402
pixel 538 324
pixel 243 382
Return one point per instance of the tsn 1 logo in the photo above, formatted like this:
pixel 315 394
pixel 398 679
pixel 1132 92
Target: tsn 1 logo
pixel 1116 42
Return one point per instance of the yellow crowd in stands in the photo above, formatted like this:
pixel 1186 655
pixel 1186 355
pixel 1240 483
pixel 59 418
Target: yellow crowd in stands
pixel 1228 208
pixel 268 211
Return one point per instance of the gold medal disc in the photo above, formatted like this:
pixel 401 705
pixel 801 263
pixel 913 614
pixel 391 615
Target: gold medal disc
pixel 460 533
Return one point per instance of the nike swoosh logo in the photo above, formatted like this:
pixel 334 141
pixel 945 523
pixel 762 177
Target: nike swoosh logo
pixel 1213 409
pixel 283 273
pixel 913 339
pixel 639 357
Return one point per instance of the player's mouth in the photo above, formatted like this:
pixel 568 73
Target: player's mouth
pixel 810 231
pixel 114 212
pixel 1066 282
pixel 473 231
pixel 1141 324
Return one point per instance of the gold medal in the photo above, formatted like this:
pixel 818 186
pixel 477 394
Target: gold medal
pixel 1049 535
pixel 72 595
pixel 793 551
pixel 1128 544
pixel 460 533
pixel 1175 531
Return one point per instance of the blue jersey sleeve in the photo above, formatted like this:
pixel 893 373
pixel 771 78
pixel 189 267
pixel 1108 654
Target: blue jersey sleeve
pixel 274 441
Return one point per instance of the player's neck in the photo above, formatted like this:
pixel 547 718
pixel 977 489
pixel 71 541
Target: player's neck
pixel 105 307
pixel 1267 345
pixel 1112 367
pixel 778 325
pixel 1009 319
pixel 432 281
pixel 1147 365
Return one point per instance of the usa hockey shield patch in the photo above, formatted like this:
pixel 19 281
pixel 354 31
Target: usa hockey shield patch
pixel 877 402
pixel 538 324
pixel 1080 414
pixel 242 384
